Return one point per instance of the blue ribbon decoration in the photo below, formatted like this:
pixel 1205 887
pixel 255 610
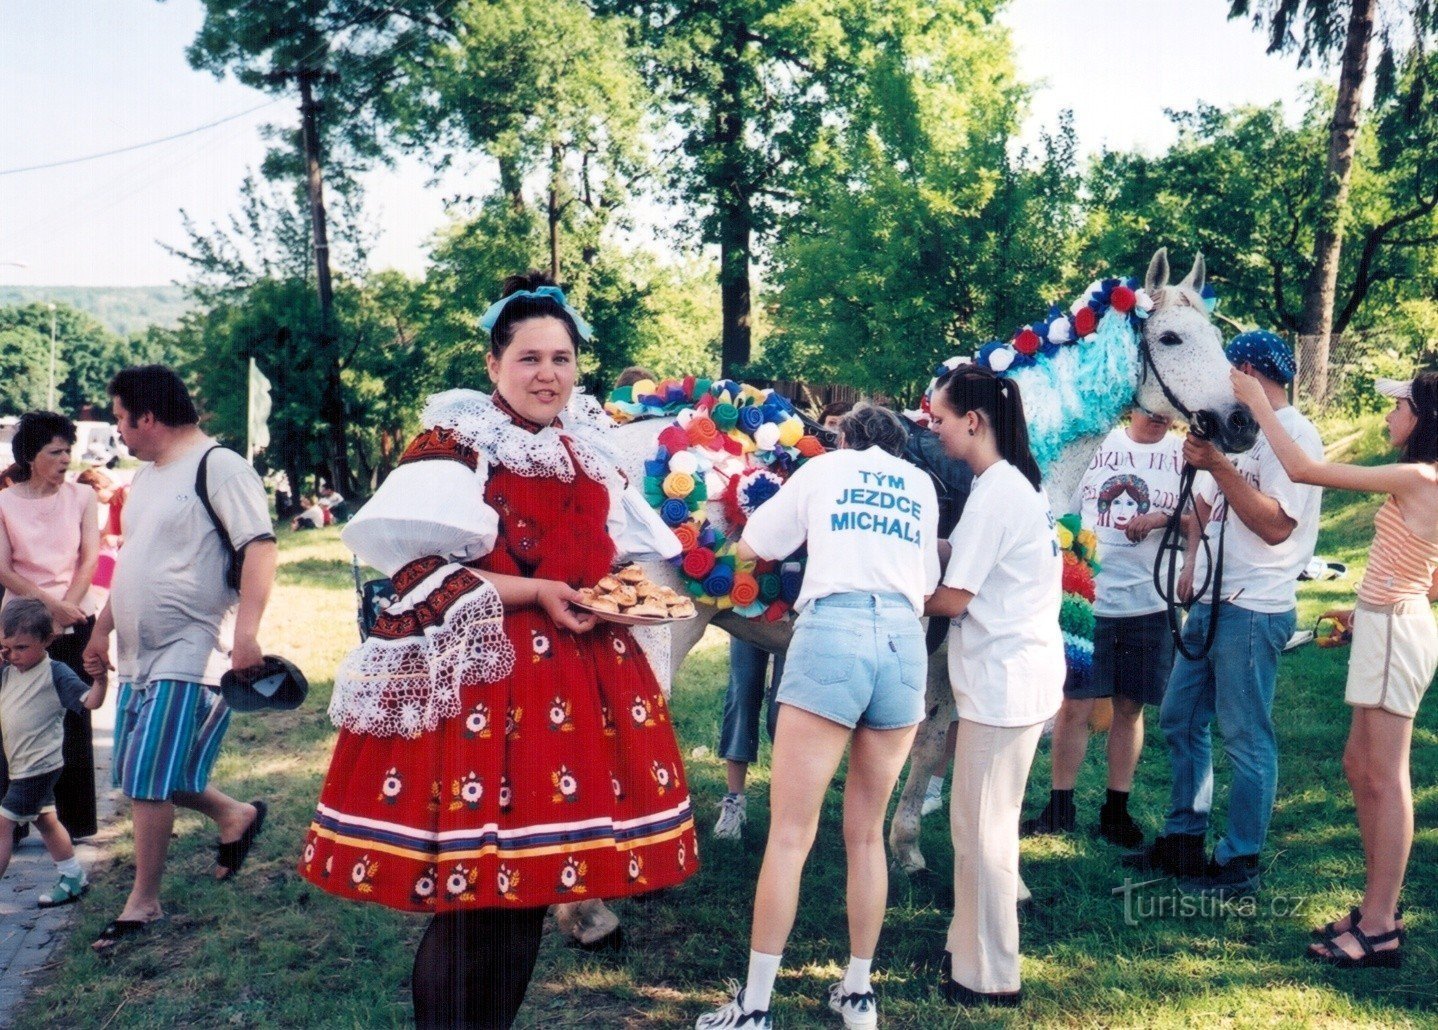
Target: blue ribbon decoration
pixel 554 293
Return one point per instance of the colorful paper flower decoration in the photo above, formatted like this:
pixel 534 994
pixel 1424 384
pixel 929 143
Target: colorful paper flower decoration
pixel 740 441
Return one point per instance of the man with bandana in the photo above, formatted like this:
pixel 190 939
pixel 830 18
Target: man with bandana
pixel 1268 542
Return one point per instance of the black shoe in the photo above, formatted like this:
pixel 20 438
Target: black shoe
pixel 1236 878
pixel 1048 821
pixel 956 993
pixel 1177 854
pixel 1119 828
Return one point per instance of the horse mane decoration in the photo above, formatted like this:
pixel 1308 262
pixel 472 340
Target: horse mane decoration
pixel 1066 365
pixel 728 443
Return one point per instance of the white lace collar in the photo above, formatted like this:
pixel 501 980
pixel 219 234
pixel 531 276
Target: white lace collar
pixel 478 423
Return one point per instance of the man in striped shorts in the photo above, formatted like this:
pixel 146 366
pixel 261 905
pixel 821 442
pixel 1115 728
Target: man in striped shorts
pixel 179 627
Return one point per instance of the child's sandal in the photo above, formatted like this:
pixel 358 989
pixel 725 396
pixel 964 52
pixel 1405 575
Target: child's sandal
pixel 69 890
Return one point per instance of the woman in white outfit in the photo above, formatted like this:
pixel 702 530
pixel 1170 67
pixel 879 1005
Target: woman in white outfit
pixel 1001 588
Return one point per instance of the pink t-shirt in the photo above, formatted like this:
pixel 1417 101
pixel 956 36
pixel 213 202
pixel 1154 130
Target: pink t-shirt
pixel 44 535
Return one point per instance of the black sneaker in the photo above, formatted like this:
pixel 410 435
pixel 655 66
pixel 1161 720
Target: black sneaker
pixel 1177 854
pixel 956 993
pixel 1048 821
pixel 1119 828
pixel 1236 878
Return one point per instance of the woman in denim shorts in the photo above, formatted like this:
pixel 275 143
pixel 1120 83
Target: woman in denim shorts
pixel 854 678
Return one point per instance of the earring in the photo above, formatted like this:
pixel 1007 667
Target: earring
pixel 971 432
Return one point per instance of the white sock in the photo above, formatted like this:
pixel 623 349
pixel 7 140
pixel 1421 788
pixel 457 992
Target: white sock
pixel 70 867
pixel 936 785
pixel 763 971
pixel 856 980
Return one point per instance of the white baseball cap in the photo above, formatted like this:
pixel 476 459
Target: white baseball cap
pixel 1398 388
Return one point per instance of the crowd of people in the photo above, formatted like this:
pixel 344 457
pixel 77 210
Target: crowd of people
pixel 501 749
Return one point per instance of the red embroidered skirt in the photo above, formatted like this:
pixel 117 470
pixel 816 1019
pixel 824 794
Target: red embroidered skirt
pixel 560 782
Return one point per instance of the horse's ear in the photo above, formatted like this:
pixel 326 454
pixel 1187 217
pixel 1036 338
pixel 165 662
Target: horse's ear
pixel 1157 277
pixel 1196 276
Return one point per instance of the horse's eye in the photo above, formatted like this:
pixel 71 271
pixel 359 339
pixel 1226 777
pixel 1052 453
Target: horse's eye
pixel 1170 338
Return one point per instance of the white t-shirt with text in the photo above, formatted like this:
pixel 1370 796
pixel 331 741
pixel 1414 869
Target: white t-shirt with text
pixel 1258 576
pixel 1127 478
pixel 870 520
pixel 1006 654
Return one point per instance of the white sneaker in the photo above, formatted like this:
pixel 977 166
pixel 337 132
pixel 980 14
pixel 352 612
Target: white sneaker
pixel 933 800
pixel 733 814
pixel 734 1014
pixel 860 1011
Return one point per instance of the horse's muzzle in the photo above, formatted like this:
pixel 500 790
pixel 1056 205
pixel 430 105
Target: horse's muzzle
pixel 1232 430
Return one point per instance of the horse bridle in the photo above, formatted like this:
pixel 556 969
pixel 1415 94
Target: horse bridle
pixel 1171 543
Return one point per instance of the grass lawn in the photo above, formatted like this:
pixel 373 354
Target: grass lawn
pixel 269 950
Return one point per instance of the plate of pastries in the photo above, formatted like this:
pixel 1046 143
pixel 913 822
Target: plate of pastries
pixel 627 597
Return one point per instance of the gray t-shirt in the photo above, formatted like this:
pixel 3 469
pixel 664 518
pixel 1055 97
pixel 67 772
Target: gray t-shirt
pixel 174 615
pixel 32 715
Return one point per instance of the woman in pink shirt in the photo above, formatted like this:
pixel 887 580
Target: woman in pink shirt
pixel 49 545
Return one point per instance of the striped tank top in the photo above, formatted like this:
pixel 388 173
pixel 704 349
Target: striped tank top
pixel 1400 563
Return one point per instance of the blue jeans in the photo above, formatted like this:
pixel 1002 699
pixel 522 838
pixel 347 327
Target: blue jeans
pixel 1235 683
pixel 739 732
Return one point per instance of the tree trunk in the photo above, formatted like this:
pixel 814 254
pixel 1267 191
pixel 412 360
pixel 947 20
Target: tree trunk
pixel 736 217
pixel 1316 322
pixel 332 408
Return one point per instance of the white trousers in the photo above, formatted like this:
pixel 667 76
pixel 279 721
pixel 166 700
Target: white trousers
pixel 991 769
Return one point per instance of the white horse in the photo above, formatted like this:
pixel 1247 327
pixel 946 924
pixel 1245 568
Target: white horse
pixel 1175 367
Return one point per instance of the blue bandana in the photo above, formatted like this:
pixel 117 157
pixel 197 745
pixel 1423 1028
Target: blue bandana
pixel 1265 351
pixel 554 293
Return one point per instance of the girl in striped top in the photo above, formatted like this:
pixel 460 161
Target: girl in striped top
pixel 1395 651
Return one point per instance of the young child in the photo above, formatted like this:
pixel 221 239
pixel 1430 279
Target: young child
pixel 34 692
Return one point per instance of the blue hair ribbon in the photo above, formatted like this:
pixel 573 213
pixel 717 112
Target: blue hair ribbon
pixel 554 293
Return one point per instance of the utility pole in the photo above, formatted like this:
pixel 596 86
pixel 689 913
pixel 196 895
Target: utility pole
pixel 50 395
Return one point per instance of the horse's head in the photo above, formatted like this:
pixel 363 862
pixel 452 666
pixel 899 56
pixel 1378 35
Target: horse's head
pixel 1185 374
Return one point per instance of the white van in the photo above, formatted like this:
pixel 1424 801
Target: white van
pixel 98 443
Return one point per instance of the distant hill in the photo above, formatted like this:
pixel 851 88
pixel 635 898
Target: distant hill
pixel 121 309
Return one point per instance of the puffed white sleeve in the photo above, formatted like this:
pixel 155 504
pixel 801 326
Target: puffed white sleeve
pixel 433 507
pixel 639 534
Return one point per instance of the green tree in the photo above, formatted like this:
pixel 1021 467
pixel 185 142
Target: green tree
pixel 748 85
pixel 24 364
pixel 1243 185
pixel 86 354
pixel 341 56
pixel 918 234
pixel 1321 30
pixel 549 92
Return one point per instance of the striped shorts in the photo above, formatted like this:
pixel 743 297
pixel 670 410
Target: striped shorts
pixel 167 735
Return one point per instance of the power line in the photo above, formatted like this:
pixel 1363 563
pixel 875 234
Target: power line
pixel 140 146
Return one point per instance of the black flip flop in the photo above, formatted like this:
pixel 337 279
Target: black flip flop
pixel 232 855
pixel 119 930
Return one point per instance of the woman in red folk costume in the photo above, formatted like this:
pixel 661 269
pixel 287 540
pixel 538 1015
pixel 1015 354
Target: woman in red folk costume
pixel 499 750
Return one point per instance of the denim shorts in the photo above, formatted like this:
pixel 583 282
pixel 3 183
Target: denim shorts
pixel 1132 657
pixel 858 660
pixel 30 797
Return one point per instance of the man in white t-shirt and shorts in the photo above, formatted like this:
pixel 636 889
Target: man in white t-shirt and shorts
pixel 1125 497
pixel 180 627
pixel 1268 543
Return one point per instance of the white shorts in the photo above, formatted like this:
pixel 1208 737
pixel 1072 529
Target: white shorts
pixel 1395 653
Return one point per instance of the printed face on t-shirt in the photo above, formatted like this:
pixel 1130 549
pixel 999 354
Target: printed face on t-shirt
pixel 1120 499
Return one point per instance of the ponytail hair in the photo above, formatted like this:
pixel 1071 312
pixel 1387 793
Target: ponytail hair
pixel 974 388
pixel 1422 445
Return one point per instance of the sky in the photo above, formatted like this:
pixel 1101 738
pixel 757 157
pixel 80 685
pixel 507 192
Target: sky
pixel 78 77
